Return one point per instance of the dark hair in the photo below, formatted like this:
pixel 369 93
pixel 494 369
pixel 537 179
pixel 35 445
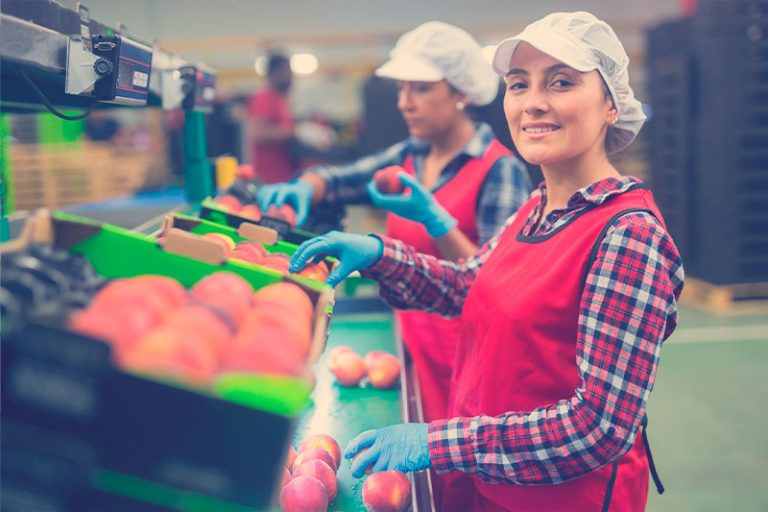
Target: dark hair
pixel 276 61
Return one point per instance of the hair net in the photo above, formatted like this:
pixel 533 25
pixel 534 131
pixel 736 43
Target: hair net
pixel 583 42
pixel 435 51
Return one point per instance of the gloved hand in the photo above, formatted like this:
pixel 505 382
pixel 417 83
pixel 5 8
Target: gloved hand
pixel 419 206
pixel 402 447
pixel 354 252
pixel 297 192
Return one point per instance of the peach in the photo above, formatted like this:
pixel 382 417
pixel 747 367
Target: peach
pixel 247 254
pixel 323 441
pixel 226 291
pixel 251 212
pixel 285 296
pixel 316 271
pixel 383 369
pixel 276 263
pixel 223 240
pixel 291 457
pixel 312 453
pixel 229 203
pixel 286 478
pixel 322 472
pixel 166 352
pixel 252 245
pixel 120 326
pixel 268 325
pixel 202 319
pixel 263 357
pixel 387 491
pixel 304 494
pixel 387 180
pixel 348 369
pixel 284 212
pixel 157 293
pixel 334 353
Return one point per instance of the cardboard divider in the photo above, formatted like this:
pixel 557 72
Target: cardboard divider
pixel 211 211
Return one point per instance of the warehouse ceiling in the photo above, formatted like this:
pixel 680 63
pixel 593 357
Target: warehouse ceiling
pixel 230 34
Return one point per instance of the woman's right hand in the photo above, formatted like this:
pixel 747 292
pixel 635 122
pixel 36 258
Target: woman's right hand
pixel 297 192
pixel 354 252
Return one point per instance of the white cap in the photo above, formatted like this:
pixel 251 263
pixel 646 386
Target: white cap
pixel 436 51
pixel 585 43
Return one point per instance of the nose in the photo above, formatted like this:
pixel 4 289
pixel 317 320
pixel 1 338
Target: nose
pixel 404 100
pixel 535 102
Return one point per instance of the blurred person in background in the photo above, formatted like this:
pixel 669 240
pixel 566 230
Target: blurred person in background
pixel 271 124
pixel 464 183
pixel 563 312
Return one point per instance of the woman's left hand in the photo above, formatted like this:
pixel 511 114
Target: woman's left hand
pixel 418 205
pixel 401 447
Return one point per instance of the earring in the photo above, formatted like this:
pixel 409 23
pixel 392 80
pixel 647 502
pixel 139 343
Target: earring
pixel 460 105
pixel 615 119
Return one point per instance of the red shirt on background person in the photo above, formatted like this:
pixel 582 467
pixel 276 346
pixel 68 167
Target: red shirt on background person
pixel 272 124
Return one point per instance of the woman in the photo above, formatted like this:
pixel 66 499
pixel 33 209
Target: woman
pixel 464 183
pixel 563 313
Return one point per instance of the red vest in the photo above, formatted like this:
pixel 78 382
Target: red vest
pixel 431 339
pixel 517 350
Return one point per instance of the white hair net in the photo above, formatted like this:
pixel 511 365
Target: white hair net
pixel 435 51
pixel 583 42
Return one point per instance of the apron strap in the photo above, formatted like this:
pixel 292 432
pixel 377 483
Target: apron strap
pixel 651 465
pixel 609 489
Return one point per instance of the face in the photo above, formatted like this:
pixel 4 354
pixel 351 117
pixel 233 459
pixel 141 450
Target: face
pixel 429 108
pixel 554 112
pixel 281 78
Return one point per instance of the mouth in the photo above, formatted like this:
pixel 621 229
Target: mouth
pixel 540 129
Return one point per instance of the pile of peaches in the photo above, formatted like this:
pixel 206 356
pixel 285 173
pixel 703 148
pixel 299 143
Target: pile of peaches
pixel 309 481
pixel 254 252
pixel 381 368
pixel 233 205
pixel 158 327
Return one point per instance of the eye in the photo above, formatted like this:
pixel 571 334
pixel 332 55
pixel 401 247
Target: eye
pixel 422 88
pixel 516 85
pixel 562 83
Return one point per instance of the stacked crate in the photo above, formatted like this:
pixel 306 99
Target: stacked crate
pixel 709 138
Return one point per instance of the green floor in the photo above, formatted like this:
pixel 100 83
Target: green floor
pixel 708 418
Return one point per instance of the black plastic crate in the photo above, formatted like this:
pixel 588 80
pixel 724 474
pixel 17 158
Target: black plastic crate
pixel 185 439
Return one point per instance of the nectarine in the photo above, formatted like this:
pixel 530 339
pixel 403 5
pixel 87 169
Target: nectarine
pixel 323 441
pixel 387 180
pixel 226 291
pixel 312 453
pixel 304 494
pixel 383 369
pixel 229 203
pixel 387 491
pixel 250 211
pixel 223 240
pixel 348 369
pixel 322 471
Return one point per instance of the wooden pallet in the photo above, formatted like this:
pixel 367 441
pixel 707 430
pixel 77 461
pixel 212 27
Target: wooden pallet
pixel 726 299
pixel 57 176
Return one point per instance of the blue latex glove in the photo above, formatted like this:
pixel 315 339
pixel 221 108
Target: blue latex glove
pixel 354 252
pixel 402 447
pixel 297 192
pixel 419 206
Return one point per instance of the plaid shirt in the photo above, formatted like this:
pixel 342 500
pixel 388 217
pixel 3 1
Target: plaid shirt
pixel 506 187
pixel 627 309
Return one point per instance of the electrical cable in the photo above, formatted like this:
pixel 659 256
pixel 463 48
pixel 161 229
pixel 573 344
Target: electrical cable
pixel 48 104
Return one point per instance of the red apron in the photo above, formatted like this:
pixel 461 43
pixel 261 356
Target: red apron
pixel 431 339
pixel 517 352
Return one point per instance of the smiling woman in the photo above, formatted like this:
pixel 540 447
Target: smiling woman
pixel 563 312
